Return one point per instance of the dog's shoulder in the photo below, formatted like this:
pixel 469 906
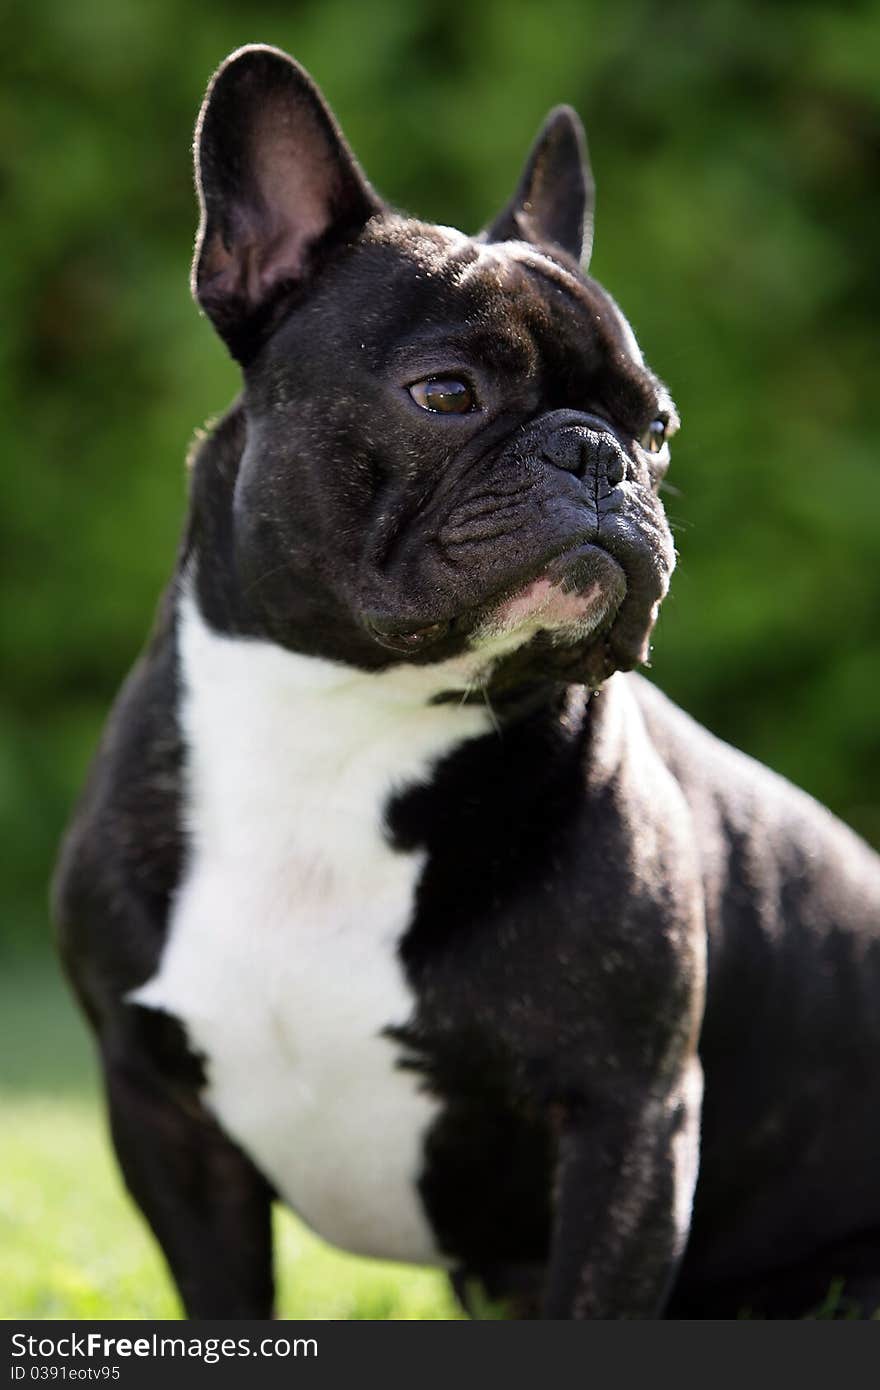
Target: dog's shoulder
pixel 778 852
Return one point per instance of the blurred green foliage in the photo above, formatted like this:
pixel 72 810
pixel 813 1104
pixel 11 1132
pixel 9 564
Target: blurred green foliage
pixel 737 152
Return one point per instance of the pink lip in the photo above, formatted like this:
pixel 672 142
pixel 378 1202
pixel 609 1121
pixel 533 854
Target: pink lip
pixel 552 605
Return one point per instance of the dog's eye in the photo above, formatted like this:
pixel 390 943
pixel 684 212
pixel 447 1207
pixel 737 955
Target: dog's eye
pixel 444 395
pixel 655 435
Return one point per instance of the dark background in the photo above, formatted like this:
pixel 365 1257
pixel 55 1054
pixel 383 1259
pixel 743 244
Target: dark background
pixel 737 152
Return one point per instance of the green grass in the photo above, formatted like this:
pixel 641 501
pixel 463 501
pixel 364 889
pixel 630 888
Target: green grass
pixel 72 1245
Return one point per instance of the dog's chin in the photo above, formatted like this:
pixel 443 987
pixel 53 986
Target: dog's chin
pixel 544 635
pixel 572 594
pixel 551 627
pixel 541 625
pixel 546 605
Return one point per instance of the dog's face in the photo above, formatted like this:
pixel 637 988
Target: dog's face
pixel 453 444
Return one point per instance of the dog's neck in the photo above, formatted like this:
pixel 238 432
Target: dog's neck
pixel 355 738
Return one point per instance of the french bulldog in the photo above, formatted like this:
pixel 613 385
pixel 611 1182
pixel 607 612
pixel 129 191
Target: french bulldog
pixel 395 894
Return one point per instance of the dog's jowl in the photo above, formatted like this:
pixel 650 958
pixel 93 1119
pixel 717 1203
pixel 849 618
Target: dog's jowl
pixel 394 893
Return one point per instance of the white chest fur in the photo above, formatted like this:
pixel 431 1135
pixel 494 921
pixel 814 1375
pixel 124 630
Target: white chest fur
pixel 281 958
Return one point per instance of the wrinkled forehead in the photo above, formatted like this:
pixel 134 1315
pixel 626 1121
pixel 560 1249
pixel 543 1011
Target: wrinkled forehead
pixel 511 298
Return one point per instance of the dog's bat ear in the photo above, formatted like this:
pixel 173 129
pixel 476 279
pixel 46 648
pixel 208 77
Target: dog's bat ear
pixel 279 190
pixel 555 198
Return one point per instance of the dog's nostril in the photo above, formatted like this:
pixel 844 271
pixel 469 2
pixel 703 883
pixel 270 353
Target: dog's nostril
pixel 608 462
pixel 613 466
pixel 587 453
pixel 573 455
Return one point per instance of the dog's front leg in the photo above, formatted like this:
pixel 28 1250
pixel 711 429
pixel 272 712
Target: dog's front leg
pixel 625 1178
pixel 208 1208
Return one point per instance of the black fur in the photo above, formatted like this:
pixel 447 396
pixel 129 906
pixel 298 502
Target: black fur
pixel 581 863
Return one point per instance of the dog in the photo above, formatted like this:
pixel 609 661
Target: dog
pixel 395 892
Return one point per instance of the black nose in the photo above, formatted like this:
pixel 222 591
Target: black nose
pixel 587 452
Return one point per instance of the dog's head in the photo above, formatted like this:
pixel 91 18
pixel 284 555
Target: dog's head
pixel 453 445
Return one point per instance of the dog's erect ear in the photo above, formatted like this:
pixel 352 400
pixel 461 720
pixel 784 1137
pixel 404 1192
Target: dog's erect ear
pixel 555 198
pixel 278 190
